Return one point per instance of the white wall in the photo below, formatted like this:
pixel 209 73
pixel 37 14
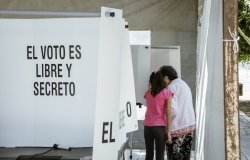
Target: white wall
pixel 165 56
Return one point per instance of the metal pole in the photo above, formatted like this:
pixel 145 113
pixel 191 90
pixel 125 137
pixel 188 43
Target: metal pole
pixel 164 47
pixel 131 145
pixel 50 13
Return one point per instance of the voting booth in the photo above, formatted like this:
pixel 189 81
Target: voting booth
pixel 67 81
pixel 147 59
pixel 141 56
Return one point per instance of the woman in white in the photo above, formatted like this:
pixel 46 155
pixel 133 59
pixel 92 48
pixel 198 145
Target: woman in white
pixel 183 117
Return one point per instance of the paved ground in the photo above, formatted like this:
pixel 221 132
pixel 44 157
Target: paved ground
pixel 245 136
pixel 139 153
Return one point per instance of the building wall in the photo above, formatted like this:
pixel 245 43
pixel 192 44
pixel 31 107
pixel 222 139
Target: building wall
pixel 187 42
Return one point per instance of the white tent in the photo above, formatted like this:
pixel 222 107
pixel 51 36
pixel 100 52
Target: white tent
pixel 211 73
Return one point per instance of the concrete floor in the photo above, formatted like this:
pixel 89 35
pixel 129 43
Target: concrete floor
pixel 245 136
pixel 137 154
pixel 140 155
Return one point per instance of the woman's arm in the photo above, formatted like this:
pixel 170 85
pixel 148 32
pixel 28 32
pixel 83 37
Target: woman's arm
pixel 168 119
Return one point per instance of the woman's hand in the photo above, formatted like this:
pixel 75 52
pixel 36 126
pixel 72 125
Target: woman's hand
pixel 169 138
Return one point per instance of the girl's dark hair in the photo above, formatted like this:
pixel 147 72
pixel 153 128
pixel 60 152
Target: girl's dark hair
pixel 157 84
pixel 151 78
pixel 169 71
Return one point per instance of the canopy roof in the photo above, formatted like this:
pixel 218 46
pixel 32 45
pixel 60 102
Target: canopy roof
pixel 140 14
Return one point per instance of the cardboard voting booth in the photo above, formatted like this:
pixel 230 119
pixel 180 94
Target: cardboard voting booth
pixel 67 81
pixel 141 56
pixel 147 59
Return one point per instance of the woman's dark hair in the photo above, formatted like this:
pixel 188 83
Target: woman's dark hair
pixel 157 84
pixel 151 78
pixel 169 71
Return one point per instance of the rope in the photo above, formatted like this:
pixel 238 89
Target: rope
pixel 235 39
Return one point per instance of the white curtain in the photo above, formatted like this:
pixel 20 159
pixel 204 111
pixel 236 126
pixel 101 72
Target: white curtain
pixel 209 90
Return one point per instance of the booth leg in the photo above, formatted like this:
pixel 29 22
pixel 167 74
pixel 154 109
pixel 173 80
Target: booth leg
pixel 131 145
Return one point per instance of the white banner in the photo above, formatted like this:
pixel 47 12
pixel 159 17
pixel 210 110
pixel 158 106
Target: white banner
pixel 48 72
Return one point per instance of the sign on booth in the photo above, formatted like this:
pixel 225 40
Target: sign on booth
pixel 61 83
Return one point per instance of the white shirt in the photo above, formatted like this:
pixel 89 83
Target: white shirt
pixel 183 117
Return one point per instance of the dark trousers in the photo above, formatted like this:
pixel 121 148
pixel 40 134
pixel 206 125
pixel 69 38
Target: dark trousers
pixel 155 135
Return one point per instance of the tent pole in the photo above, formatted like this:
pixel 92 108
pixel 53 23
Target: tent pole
pixel 50 13
pixel 231 92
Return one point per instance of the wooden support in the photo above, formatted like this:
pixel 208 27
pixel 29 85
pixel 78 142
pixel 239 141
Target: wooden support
pixel 231 92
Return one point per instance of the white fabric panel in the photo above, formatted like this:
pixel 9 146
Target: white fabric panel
pixel 108 86
pixel 27 119
pixel 201 88
pixel 210 97
pixel 141 68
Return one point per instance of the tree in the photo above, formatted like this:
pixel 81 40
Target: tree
pixel 244 25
